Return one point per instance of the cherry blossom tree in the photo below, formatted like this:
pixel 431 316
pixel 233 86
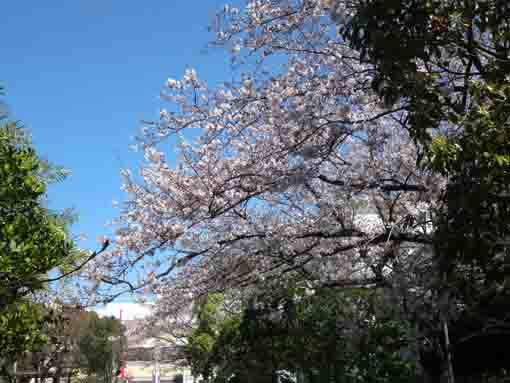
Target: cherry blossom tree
pixel 296 169
pixel 328 161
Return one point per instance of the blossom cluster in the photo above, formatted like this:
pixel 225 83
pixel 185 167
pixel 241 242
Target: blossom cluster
pixel 295 170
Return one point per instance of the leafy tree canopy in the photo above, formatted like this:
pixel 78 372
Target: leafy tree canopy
pixel 36 248
pixel 329 335
pixel 32 241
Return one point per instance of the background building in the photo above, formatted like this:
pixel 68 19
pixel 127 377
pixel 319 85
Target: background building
pixel 148 358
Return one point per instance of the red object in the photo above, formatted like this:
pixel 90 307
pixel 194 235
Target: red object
pixel 122 374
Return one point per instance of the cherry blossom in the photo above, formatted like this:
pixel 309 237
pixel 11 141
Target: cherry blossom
pixel 294 170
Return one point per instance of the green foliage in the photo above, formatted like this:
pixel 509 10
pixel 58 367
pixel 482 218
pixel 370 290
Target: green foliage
pixel 100 346
pixel 427 53
pixel 20 324
pixel 4 110
pixel 447 63
pixel 327 336
pixel 202 341
pixel 76 342
pixel 33 241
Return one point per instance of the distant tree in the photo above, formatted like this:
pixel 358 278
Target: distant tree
pixel 100 346
pixel 78 342
pixel 4 110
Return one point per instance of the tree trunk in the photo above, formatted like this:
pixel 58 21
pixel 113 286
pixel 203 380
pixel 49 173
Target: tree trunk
pixel 451 376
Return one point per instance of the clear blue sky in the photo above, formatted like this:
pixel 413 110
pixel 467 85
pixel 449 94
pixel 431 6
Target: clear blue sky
pixel 81 74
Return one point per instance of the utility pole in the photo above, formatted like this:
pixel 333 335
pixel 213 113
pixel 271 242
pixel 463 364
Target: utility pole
pixel 156 370
pixel 122 374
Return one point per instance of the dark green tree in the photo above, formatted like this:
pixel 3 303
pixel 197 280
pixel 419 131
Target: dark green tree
pixel 446 63
pixel 330 335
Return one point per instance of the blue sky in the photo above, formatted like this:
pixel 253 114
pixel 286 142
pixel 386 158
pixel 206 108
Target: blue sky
pixel 81 74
